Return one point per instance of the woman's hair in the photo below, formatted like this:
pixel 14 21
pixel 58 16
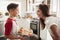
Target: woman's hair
pixel 12 6
pixel 45 11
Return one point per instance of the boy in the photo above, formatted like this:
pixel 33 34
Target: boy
pixel 11 26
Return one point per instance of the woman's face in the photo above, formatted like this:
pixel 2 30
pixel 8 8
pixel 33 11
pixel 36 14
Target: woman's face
pixel 15 12
pixel 39 13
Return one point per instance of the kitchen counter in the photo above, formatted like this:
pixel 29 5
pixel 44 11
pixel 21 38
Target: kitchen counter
pixel 33 37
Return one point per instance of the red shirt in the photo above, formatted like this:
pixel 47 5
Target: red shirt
pixel 8 26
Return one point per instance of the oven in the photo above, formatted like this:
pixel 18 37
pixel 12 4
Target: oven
pixel 35 26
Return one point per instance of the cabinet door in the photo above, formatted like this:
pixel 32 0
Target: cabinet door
pixel 58 8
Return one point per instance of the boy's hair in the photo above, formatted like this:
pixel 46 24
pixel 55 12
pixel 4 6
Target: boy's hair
pixel 12 6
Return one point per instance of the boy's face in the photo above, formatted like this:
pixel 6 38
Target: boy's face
pixel 14 12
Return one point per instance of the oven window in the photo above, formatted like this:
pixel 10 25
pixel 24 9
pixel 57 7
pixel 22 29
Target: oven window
pixel 34 28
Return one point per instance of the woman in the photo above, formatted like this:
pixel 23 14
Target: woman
pixel 49 22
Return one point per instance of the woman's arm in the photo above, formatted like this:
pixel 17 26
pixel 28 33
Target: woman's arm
pixel 55 32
